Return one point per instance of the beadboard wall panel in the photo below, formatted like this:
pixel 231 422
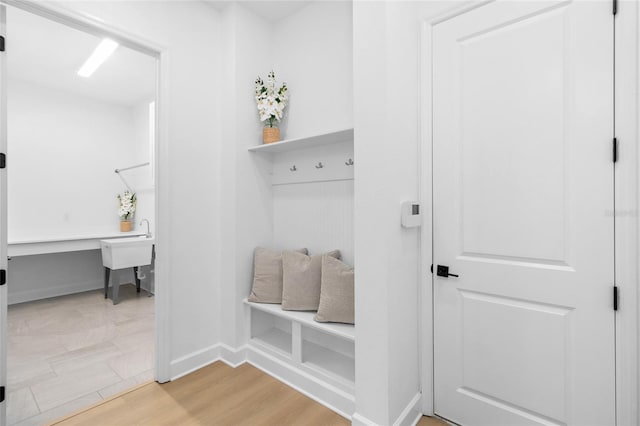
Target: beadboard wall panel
pixel 316 215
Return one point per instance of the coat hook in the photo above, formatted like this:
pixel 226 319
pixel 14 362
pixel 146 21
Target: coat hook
pixel 320 165
pixel 293 169
pixel 349 162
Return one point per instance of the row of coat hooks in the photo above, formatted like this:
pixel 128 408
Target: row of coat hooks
pixel 349 162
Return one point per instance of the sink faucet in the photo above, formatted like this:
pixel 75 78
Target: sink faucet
pixel 148 234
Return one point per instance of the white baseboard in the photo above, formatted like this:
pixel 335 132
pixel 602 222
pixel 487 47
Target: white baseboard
pixel 331 397
pixel 233 357
pixel 360 420
pixel 194 361
pixel 17 296
pixel 411 414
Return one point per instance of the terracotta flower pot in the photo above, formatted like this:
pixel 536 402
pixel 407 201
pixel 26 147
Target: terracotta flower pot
pixel 270 134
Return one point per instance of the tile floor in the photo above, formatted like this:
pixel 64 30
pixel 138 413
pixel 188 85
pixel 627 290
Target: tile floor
pixel 69 352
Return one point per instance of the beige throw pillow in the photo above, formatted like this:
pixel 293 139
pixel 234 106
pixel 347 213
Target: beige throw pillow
pixel 267 275
pixel 301 280
pixel 337 302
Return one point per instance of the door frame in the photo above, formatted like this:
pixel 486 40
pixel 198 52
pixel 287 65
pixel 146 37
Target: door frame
pixel 4 259
pixel 627 76
pixel 627 232
pixel 88 24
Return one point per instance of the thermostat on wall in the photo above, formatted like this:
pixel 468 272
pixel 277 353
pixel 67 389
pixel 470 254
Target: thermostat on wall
pixel 410 214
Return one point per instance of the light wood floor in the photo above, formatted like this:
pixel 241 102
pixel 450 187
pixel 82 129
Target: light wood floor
pixel 214 395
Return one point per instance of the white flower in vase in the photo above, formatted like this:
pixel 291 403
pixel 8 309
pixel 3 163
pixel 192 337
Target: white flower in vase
pixel 271 102
pixel 127 205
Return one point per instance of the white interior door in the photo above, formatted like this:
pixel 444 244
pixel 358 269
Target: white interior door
pixel 3 218
pixel 522 206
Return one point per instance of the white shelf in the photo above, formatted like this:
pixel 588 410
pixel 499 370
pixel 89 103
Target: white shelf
pixel 346 331
pixel 328 361
pixel 276 339
pixel 306 142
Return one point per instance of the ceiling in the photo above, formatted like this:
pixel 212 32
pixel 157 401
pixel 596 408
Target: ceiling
pixel 272 11
pixel 49 54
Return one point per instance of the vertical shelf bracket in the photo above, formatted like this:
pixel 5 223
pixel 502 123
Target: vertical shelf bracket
pixel 296 342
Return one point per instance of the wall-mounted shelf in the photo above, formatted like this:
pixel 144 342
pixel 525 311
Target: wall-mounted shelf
pixel 319 158
pixel 306 142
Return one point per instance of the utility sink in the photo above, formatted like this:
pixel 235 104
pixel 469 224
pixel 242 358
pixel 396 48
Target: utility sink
pixel 121 253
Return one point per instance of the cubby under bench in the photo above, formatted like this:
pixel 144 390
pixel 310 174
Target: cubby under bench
pixel 316 358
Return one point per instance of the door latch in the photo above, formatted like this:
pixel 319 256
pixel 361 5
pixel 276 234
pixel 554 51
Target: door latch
pixel 443 271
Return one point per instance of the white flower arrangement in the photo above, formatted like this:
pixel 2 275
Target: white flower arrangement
pixel 127 205
pixel 271 102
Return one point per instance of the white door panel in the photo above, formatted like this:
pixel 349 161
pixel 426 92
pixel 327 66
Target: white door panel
pixel 523 195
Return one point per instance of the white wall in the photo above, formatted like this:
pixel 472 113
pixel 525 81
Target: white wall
pixel 189 215
pixel 63 150
pixel 387 99
pixel 57 274
pixel 27 274
pixel 246 218
pixel 313 53
pixel 141 179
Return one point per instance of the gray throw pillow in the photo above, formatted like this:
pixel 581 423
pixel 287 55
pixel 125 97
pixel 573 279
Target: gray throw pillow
pixel 301 280
pixel 337 297
pixel 267 275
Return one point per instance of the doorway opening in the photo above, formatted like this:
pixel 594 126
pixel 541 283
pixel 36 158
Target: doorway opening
pixel 77 143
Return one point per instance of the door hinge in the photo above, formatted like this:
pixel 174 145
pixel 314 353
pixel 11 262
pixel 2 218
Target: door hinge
pixel 432 268
pixel 615 149
pixel 615 297
pixel 3 160
pixel 3 276
pixel 1 43
pixel 614 7
pixel 1 393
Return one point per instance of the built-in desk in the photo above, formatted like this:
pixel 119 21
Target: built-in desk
pixel 69 264
pixel 79 242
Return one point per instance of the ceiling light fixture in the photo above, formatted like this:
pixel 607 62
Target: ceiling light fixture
pixel 99 55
